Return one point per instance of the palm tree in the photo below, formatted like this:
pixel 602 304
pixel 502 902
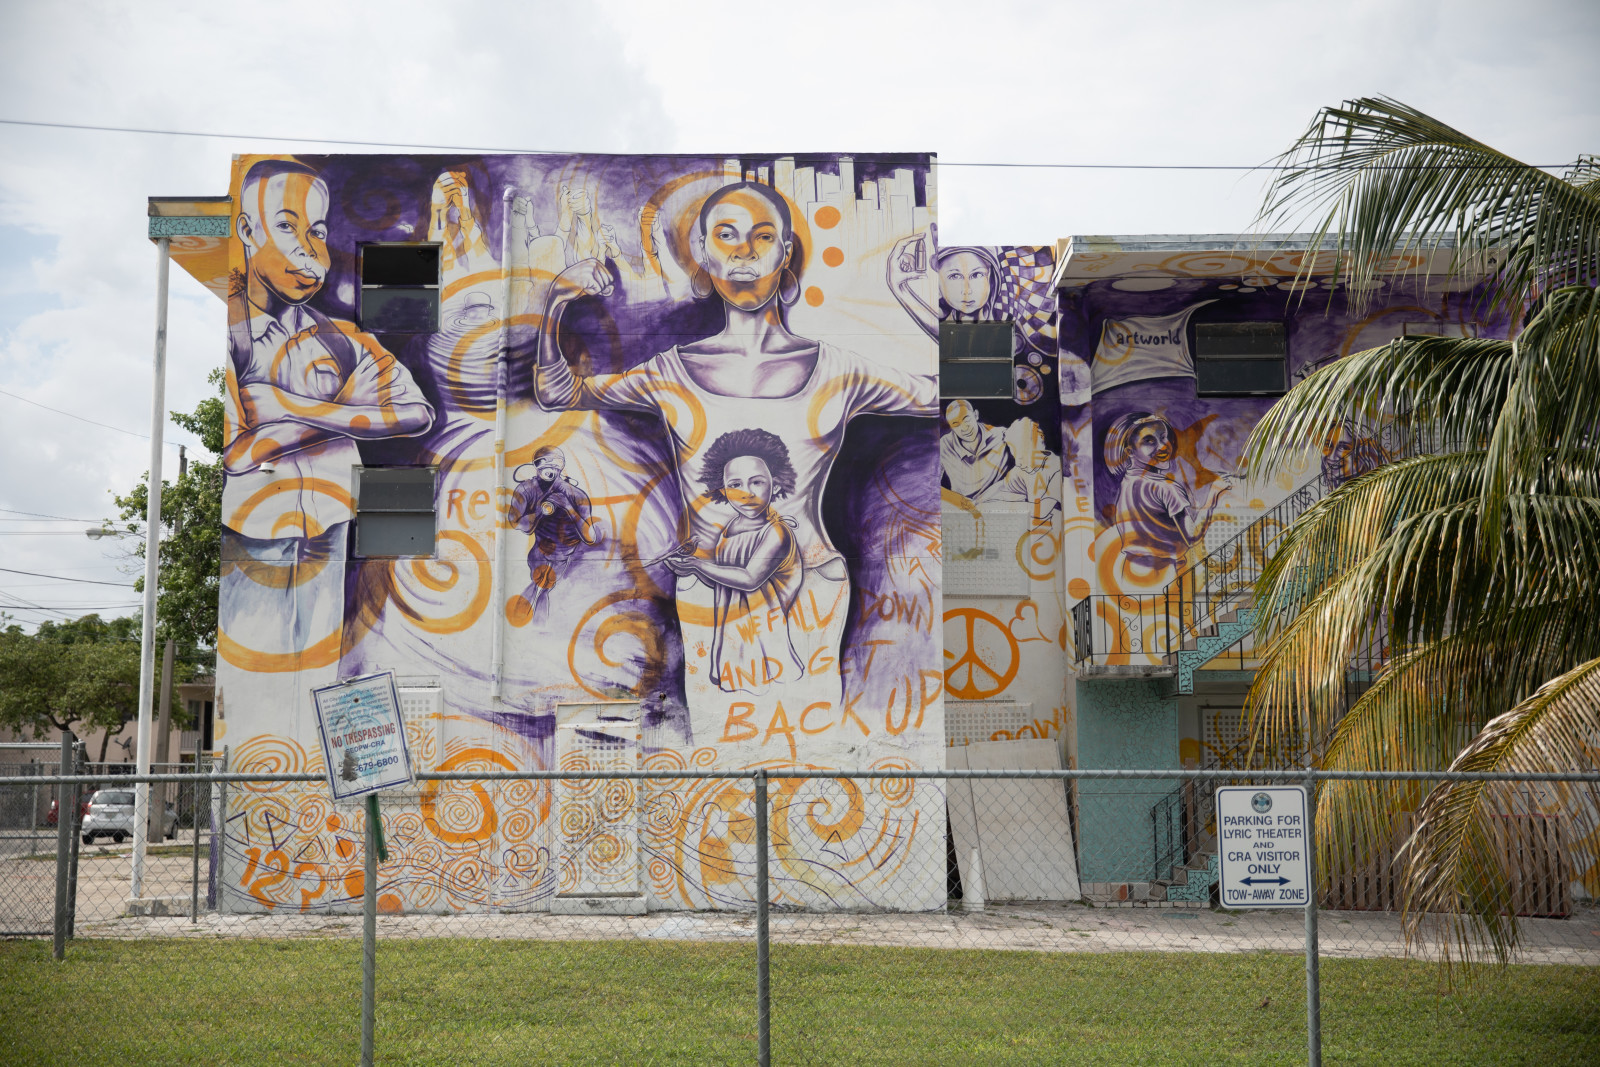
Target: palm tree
pixel 1475 560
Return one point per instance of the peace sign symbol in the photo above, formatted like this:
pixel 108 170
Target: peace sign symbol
pixel 978 640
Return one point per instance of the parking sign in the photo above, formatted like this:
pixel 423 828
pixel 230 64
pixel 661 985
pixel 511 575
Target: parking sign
pixel 1262 843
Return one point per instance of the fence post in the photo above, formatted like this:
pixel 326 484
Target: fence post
pixel 763 945
pixel 75 839
pixel 194 832
pixel 65 803
pixel 1313 977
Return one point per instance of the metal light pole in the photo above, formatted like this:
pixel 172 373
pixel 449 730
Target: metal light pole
pixel 164 716
pixel 152 568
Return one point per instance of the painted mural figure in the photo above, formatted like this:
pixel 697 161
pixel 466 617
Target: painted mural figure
pixel 1036 477
pixel 973 455
pixel 554 509
pixel 1348 453
pixel 1157 516
pixel 303 389
pixel 969 282
pixel 754 373
pixel 755 567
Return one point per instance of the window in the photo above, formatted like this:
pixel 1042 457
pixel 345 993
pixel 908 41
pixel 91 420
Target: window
pixel 394 511
pixel 1240 359
pixel 975 359
pixel 400 288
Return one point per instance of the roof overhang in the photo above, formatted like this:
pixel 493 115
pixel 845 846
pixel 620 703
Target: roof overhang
pixel 196 229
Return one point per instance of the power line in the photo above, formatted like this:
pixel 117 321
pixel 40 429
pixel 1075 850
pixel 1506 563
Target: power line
pixel 797 157
pixel 64 578
pixel 43 515
pixel 82 418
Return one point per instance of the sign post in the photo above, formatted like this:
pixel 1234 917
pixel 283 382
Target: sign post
pixel 364 748
pixel 1265 841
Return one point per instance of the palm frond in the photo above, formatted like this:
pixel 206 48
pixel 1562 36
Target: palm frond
pixel 1386 179
pixel 1427 577
pixel 1430 390
pixel 1457 880
pixel 1548 416
pixel 1348 524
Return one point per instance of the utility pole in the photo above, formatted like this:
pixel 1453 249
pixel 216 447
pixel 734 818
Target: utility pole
pixel 158 813
pixel 164 722
pixel 152 575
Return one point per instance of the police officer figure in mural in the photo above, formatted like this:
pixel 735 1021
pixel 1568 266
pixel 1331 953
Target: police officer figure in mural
pixel 555 511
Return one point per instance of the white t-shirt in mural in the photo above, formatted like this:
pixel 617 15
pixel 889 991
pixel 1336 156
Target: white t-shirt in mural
pixel 811 423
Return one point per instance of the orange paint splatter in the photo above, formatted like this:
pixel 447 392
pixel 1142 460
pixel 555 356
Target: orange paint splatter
pixel 827 217
pixel 544 575
pixel 355 883
pixel 389 904
pixel 814 296
pixel 334 822
pixel 1077 589
pixel 833 255
pixel 343 848
pixel 360 422
pixel 518 611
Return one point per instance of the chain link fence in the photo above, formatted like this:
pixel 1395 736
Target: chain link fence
pixel 780 915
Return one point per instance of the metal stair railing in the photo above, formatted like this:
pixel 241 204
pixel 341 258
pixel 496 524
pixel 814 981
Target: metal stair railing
pixel 1205 593
pixel 1110 629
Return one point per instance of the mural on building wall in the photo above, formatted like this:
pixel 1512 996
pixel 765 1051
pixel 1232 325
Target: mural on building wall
pixel 1160 462
pixel 1001 476
pixel 720 511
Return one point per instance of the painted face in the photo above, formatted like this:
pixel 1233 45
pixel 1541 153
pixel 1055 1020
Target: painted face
pixel 747 483
pixel 745 250
pixel 965 282
pixel 288 218
pixel 549 468
pixel 1152 446
pixel 963 422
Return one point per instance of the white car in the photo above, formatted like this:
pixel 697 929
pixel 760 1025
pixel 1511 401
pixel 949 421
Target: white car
pixel 111 815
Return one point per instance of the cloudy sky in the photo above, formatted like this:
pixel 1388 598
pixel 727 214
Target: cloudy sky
pixel 1158 82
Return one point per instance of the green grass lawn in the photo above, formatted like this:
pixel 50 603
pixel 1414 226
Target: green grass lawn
pixel 516 1002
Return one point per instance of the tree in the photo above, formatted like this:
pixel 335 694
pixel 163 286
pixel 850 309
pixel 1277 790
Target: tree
pixel 80 676
pixel 1476 560
pixel 191 544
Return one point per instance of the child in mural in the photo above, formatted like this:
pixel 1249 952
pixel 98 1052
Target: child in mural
pixel 973 454
pixel 754 373
pixel 755 567
pixel 969 282
pixel 302 389
pixel 554 509
pixel 1157 517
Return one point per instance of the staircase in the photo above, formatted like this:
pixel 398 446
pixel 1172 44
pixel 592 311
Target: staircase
pixel 1204 611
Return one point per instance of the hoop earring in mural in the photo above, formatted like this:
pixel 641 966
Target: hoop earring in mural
pixel 788 287
pixel 700 284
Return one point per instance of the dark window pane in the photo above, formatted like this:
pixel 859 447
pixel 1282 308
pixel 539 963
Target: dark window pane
pixel 976 378
pixel 400 310
pixel 394 534
pixel 1239 339
pixel 975 340
pixel 396 489
pixel 1256 376
pixel 399 264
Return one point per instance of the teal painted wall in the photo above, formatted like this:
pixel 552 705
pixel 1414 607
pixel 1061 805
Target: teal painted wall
pixel 1122 723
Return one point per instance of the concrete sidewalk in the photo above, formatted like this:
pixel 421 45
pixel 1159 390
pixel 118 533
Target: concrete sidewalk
pixel 1031 928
